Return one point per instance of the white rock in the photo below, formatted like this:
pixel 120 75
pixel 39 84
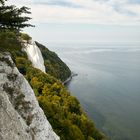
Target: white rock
pixel 35 55
pixel 12 124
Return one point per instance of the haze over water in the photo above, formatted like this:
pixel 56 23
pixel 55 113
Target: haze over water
pixel 107 85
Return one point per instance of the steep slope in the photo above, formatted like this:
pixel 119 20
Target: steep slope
pixel 54 65
pixel 34 55
pixel 21 118
pixel 62 109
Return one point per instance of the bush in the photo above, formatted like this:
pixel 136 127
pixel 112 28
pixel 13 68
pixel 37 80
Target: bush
pixel 61 109
pixel 25 37
pixel 9 41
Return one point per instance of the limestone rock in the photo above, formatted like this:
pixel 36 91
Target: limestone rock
pixel 34 55
pixel 21 118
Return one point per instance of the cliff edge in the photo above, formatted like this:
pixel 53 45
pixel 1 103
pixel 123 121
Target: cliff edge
pixel 21 118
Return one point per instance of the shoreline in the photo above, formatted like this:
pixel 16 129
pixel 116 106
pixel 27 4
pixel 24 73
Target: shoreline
pixel 69 78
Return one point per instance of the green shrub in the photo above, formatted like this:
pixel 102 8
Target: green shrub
pixel 25 37
pixel 54 65
pixel 61 109
pixel 9 41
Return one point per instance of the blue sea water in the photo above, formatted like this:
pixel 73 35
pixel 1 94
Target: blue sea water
pixel 107 85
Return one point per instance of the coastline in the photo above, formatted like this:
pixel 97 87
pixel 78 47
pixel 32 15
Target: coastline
pixel 69 78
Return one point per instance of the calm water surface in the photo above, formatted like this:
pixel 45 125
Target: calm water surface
pixel 107 85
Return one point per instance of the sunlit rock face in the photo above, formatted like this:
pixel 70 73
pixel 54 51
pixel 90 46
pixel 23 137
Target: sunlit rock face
pixel 35 55
pixel 21 118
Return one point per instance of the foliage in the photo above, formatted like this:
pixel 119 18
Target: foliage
pixel 11 22
pixel 9 41
pixel 54 65
pixel 25 37
pixel 2 2
pixel 62 109
pixel 22 64
pixel 12 17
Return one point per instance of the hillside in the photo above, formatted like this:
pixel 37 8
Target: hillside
pixel 54 65
pixel 21 118
pixel 62 110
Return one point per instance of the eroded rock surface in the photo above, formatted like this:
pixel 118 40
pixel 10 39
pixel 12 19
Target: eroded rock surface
pixel 34 55
pixel 21 118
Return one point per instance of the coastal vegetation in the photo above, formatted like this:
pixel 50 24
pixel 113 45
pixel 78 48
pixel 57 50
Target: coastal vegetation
pixel 54 65
pixel 61 108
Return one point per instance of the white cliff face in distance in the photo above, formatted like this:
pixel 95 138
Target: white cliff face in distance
pixel 35 55
pixel 21 118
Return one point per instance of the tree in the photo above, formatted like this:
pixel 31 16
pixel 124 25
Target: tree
pixel 12 17
pixel 2 1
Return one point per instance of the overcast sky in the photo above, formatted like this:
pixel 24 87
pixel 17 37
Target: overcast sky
pixel 84 20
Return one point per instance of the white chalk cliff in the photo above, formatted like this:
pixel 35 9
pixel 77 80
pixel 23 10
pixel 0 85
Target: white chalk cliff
pixel 34 55
pixel 21 118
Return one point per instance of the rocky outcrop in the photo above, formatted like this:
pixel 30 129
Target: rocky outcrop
pixel 34 55
pixel 21 118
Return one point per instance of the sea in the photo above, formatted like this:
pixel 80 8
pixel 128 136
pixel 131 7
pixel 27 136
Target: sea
pixel 107 84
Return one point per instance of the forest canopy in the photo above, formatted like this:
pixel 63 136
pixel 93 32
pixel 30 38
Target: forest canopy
pixel 61 109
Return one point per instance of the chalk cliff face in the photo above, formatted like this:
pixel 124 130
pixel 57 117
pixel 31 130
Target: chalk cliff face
pixel 21 118
pixel 35 55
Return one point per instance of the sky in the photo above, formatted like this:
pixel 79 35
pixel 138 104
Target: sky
pixel 83 20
